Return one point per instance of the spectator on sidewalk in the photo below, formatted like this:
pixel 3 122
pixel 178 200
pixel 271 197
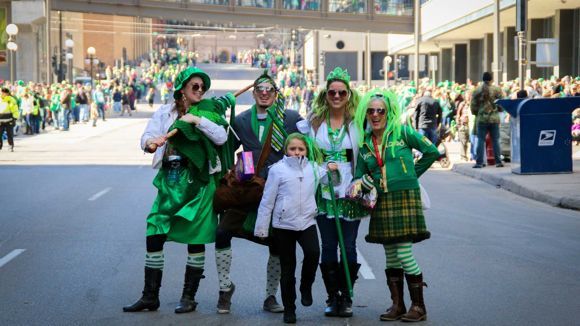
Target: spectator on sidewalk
pixel 428 115
pixel 8 116
pixel 488 120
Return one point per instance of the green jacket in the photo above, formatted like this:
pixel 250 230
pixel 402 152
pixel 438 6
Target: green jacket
pixel 483 104
pixel 399 172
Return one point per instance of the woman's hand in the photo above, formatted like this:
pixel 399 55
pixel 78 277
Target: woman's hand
pixel 332 166
pixel 154 143
pixel 190 118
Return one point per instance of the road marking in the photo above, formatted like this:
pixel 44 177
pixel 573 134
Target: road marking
pixel 4 260
pixel 99 194
pixel 365 270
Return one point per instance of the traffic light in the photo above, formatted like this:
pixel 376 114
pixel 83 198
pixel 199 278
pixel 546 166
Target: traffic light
pixel 293 35
pixel 321 58
pixel 53 62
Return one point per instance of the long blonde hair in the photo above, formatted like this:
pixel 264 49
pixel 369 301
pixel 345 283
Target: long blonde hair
pixel 321 109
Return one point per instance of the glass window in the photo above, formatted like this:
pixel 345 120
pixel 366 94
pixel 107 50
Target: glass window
pixel 256 3
pixel 203 2
pixel 354 6
pixel 394 7
pixel 302 4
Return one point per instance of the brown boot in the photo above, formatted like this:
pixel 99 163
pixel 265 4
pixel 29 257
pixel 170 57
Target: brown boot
pixel 417 312
pixel 395 281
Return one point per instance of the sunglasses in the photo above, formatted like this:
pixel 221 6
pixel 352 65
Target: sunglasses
pixel 333 93
pixel 372 111
pixel 198 88
pixel 267 89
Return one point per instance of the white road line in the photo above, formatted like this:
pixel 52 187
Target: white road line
pixel 99 194
pixel 4 260
pixel 365 270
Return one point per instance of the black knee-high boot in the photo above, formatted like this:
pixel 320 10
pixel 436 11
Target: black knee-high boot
pixel 150 299
pixel 191 284
pixel 330 276
pixel 345 302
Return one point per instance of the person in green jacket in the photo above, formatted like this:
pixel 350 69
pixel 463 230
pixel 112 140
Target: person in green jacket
pixel 8 116
pixel 190 165
pixel 385 162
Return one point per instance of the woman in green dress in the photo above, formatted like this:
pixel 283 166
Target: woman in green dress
pixel 190 165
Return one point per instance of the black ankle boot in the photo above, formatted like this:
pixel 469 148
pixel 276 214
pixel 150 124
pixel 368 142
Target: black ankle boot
pixel 306 294
pixel 150 299
pixel 289 317
pixel 192 277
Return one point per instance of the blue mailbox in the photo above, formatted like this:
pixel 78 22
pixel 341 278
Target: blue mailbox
pixel 541 134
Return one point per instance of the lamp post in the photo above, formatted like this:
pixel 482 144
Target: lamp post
pixel 91 52
pixel 69 43
pixel 12 30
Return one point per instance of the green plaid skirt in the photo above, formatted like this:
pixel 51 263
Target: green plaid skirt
pixel 398 217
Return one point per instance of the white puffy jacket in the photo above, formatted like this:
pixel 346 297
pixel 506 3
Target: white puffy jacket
pixel 289 196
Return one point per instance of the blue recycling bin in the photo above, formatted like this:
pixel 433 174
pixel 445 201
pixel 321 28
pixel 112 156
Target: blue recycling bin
pixel 541 134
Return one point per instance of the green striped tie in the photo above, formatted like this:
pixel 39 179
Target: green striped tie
pixel 277 115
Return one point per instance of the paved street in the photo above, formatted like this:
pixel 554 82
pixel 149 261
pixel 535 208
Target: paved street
pixel 72 246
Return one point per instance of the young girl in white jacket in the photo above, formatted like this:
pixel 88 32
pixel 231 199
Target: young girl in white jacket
pixel 289 203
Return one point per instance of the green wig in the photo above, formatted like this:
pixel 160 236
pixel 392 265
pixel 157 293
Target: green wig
pixel 393 115
pixel 313 152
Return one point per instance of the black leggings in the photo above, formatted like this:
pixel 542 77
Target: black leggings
pixel 155 243
pixel 286 240
pixel 223 239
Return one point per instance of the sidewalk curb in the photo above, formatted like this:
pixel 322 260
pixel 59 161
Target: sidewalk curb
pixel 509 182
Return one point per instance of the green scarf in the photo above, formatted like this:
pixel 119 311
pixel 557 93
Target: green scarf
pixel 256 126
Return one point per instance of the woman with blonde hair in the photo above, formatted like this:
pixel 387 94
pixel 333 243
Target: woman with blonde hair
pixel 331 124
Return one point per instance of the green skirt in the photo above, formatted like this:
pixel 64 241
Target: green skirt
pixel 183 210
pixel 398 217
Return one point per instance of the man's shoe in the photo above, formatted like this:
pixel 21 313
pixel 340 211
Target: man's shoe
pixel 225 300
pixel 477 166
pixel 499 165
pixel 271 305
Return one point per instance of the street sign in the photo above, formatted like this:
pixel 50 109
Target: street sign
pixel 547 52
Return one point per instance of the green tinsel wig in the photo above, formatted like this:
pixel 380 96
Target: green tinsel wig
pixel 393 115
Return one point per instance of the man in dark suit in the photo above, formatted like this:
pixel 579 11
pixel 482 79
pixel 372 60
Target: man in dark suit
pixel 252 128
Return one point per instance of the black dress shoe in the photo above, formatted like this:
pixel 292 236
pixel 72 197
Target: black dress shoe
pixel 477 166
pixel 499 165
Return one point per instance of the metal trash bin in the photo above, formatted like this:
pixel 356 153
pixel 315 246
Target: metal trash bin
pixel 541 140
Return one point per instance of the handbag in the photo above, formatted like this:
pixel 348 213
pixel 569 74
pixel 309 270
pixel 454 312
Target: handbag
pixel 243 195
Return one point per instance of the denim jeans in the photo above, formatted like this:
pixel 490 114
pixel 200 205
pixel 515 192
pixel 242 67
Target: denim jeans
pixel 65 118
pixel 482 130
pixel 329 238
pixel 84 112
pixel 430 133
pixel 472 149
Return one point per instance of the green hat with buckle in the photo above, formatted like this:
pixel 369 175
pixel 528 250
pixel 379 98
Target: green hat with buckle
pixel 185 75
